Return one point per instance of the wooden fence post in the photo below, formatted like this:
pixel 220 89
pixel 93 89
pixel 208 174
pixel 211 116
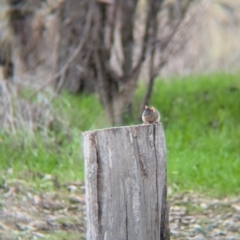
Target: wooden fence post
pixel 126 187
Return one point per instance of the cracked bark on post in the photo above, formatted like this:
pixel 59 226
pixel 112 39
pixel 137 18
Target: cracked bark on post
pixel 126 183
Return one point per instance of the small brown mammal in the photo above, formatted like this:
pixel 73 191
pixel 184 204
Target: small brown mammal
pixel 150 115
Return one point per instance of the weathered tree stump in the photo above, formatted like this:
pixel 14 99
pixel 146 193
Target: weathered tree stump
pixel 126 187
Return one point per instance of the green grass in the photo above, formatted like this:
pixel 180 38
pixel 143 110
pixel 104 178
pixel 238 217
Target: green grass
pixel 57 152
pixel 35 156
pixel 201 118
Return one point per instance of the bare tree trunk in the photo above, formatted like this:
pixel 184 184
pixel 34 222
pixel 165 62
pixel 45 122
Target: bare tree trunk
pixel 26 41
pixel 96 46
pixel 6 64
pixel 79 77
pixel 176 14
pixel 126 183
pixel 128 9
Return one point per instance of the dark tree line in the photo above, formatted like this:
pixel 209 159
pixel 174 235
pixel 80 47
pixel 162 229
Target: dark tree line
pixel 102 45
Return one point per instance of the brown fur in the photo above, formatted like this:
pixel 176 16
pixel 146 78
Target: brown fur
pixel 150 115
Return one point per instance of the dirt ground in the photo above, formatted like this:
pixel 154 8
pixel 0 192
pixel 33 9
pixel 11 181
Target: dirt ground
pixel 26 213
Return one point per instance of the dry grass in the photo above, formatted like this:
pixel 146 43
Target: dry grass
pixel 18 113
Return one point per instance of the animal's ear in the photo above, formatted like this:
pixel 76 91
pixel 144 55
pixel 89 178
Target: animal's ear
pixel 146 106
pixel 153 109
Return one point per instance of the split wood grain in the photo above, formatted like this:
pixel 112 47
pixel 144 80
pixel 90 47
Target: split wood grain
pixel 126 183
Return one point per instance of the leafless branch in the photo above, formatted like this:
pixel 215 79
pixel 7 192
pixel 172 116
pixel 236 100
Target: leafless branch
pixel 151 76
pixel 152 7
pixel 62 72
pixel 8 106
pixel 182 30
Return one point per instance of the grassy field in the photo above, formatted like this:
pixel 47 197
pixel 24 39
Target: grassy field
pixel 201 118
